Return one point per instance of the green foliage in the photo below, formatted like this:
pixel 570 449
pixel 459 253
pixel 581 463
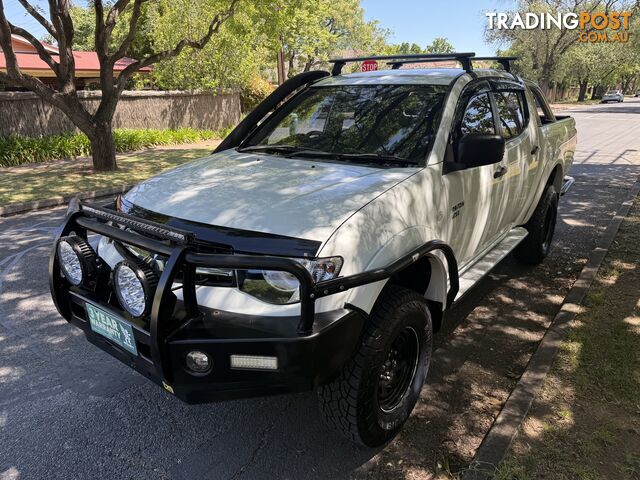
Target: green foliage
pixel 439 45
pixel 253 92
pixel 233 56
pixel 84 23
pixel 308 32
pixel 556 55
pixel 17 150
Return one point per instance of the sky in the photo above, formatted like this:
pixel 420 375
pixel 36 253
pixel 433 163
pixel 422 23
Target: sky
pixel 413 21
pixel 462 22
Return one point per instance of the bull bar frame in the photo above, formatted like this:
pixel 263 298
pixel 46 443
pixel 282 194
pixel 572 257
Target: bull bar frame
pixel 183 252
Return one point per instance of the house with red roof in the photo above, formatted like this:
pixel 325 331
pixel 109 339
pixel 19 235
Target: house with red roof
pixel 87 64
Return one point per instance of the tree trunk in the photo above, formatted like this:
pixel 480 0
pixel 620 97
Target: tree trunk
pixel 597 92
pixel 103 148
pixel 583 90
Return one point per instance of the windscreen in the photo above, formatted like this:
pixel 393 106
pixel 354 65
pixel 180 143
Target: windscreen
pixel 356 122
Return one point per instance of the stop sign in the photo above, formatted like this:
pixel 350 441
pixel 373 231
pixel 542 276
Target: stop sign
pixel 369 66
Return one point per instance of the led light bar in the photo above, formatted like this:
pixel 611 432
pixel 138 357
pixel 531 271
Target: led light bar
pixel 146 226
pixel 254 362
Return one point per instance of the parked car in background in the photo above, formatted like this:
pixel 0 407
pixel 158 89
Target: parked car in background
pixel 613 96
pixel 638 93
pixel 321 246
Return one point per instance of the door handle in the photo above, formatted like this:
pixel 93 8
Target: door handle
pixel 500 172
pixel 535 149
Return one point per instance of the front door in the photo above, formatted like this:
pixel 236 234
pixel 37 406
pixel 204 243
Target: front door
pixel 476 195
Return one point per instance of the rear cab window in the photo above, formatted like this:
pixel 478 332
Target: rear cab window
pixel 511 113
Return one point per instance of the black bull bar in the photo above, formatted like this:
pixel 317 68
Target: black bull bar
pixel 181 249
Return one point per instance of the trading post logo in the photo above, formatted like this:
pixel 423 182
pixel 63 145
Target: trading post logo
pixel 591 27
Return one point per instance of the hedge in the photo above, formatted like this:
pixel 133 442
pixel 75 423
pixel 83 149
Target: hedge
pixel 18 150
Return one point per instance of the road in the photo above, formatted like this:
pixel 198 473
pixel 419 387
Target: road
pixel 67 410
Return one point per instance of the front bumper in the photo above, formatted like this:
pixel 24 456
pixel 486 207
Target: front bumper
pixel 304 362
pixel 310 348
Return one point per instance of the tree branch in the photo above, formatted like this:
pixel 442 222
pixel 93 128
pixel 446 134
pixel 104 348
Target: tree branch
pixel 214 26
pixel 42 52
pixel 61 19
pixel 5 44
pixel 100 39
pixel 114 13
pixel 131 34
pixel 43 21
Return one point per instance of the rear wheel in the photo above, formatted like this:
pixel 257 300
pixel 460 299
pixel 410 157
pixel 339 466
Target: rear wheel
pixel 541 227
pixel 378 388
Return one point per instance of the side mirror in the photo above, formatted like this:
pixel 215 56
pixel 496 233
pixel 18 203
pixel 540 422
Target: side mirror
pixel 478 149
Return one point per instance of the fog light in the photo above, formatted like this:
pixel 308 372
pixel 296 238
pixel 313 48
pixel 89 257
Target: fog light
pixel 135 285
pixel 254 362
pixel 77 260
pixel 198 362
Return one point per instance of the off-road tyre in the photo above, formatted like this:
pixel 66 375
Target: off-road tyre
pixel 541 227
pixel 354 402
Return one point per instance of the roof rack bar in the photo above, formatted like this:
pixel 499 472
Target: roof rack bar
pixel 396 64
pixel 504 61
pixel 463 58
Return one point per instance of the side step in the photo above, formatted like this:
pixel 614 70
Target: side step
pixel 478 270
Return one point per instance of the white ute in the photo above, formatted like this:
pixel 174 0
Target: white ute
pixel 322 242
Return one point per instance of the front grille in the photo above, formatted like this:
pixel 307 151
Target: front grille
pixel 212 277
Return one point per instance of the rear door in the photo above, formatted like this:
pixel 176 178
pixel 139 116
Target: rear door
pixel 521 147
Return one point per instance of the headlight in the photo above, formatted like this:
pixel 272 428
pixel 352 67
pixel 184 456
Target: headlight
pixel 282 288
pixel 135 284
pixel 77 260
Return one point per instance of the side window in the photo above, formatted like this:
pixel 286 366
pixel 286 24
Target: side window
pixel 544 112
pixel 478 117
pixel 511 113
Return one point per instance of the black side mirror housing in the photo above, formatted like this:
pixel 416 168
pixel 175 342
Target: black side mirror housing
pixel 478 149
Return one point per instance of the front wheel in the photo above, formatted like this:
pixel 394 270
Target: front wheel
pixel 541 227
pixel 377 389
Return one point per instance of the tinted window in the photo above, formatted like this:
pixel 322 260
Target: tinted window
pixel 478 117
pixel 396 120
pixel 511 113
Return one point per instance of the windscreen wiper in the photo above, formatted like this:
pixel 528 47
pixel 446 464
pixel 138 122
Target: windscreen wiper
pixel 367 158
pixel 377 158
pixel 270 148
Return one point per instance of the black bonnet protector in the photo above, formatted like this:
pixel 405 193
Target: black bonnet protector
pixel 239 241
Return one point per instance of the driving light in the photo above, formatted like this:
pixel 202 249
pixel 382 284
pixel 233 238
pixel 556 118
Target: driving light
pixel 77 260
pixel 254 362
pixel 198 362
pixel 135 284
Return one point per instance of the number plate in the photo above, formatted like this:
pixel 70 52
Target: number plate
pixel 111 327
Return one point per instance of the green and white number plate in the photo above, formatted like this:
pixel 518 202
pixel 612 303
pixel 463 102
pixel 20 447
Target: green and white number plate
pixel 111 327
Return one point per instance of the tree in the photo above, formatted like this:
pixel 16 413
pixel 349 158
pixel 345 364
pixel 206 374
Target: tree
pixel 96 125
pixel 440 45
pixel 238 53
pixel 542 50
pixel 311 32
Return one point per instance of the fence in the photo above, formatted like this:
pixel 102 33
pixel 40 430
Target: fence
pixel 23 113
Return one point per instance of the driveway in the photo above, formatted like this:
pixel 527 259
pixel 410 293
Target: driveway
pixel 67 410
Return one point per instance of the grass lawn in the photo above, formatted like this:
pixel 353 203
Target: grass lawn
pixel 41 181
pixel 586 422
